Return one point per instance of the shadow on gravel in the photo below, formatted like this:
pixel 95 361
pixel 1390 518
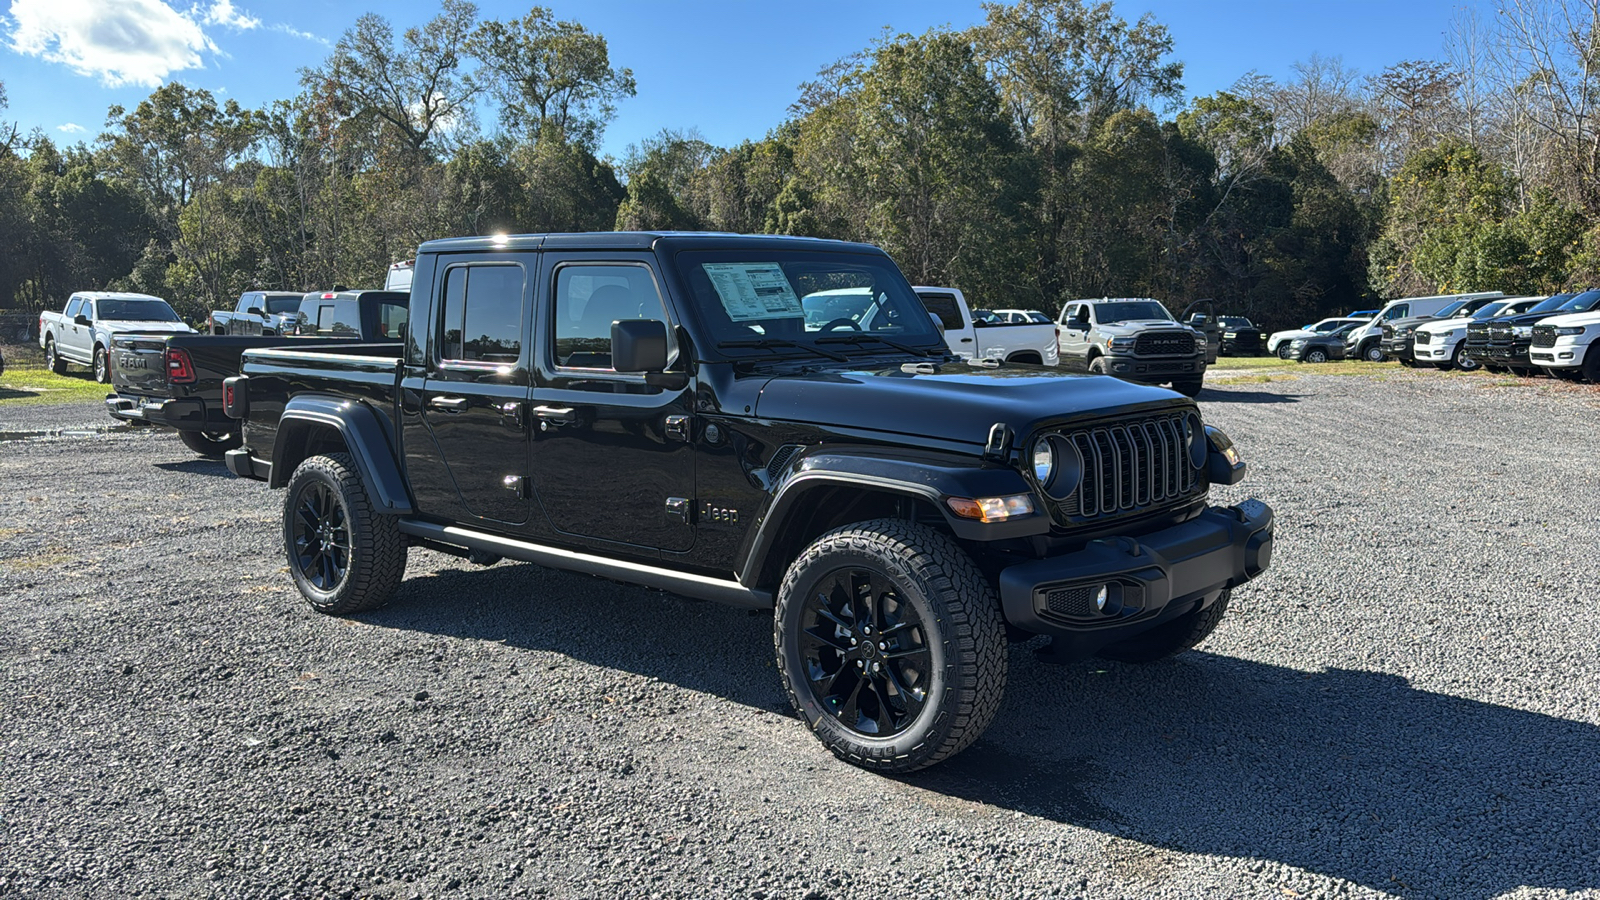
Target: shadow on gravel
pixel 212 467
pixel 1351 774
pixel 1214 395
pixel 1354 775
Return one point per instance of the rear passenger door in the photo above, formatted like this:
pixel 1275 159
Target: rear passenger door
pixel 474 395
pixel 612 459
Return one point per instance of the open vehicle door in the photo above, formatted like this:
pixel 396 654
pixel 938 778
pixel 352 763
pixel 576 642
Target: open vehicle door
pixel 1202 315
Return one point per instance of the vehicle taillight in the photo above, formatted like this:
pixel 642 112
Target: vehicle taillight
pixel 179 369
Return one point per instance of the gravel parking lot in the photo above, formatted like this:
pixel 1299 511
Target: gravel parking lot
pixel 1407 704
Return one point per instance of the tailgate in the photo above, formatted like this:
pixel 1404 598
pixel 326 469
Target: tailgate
pixel 139 363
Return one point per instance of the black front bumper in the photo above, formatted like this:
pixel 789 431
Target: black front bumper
pixel 1155 370
pixel 184 414
pixel 1149 579
pixel 1399 348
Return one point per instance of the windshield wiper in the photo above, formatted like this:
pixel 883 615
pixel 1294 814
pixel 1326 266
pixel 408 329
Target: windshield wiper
pixel 860 338
pixel 772 342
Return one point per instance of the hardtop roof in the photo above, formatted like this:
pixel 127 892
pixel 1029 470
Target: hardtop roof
pixel 641 240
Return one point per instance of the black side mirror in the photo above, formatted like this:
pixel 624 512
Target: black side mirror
pixel 255 311
pixel 80 319
pixel 639 345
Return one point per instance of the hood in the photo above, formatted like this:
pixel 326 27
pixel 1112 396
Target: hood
pixel 1529 318
pixel 1443 326
pixel 1573 319
pixel 1293 333
pixel 117 326
pixel 1411 321
pixel 1141 326
pixel 959 402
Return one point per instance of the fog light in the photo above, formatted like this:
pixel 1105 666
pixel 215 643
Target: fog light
pixel 1101 596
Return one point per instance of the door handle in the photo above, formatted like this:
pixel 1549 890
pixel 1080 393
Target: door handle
pixel 561 415
pixel 448 404
pixel 966 340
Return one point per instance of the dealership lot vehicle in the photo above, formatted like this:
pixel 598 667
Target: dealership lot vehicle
pixel 1366 343
pixel 1278 342
pixel 1135 339
pixel 535 732
pixel 1007 335
pixel 901 510
pixel 1399 334
pixel 1568 345
pixel 82 332
pixel 1442 343
pixel 257 313
pixel 1319 348
pixel 1511 337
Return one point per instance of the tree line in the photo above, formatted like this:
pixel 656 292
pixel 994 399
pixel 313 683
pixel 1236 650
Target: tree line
pixel 1047 153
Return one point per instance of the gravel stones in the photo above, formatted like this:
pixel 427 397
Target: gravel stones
pixel 1405 705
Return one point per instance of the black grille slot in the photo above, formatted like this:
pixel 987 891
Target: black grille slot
pixel 1071 603
pixel 1164 343
pixel 1477 335
pixel 1544 335
pixel 1388 332
pixel 1500 335
pixel 1130 466
pixel 1424 337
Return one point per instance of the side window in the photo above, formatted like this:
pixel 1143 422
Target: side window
pixel 244 303
pixel 482 319
pixel 588 299
pixel 1398 312
pixel 88 309
pixel 73 306
pixel 341 318
pixel 1084 315
pixel 392 321
pixel 945 308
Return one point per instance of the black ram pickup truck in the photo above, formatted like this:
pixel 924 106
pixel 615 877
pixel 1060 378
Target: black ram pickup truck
pixel 176 381
pixel 659 410
pixel 1510 337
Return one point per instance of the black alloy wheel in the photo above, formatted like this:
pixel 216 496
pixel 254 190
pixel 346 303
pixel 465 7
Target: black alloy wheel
pixel 343 556
pixel 865 652
pixel 320 538
pixel 890 644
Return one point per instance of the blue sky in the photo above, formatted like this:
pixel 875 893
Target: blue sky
pixel 728 68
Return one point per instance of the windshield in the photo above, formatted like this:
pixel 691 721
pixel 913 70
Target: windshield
pixel 1234 322
pixel 827 303
pixel 1554 301
pixel 137 311
pixel 1582 303
pixel 1129 311
pixel 281 305
pixel 1490 310
pixel 1452 309
pixel 1329 325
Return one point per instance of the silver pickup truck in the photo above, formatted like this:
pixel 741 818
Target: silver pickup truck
pixel 82 332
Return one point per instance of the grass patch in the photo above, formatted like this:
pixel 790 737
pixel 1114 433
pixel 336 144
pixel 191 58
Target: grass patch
pixel 25 384
pixel 35 563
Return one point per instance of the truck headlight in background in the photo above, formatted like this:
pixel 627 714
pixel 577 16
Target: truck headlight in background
pixel 1522 330
pixel 1569 330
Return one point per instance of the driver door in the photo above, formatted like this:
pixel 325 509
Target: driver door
pixel 1073 343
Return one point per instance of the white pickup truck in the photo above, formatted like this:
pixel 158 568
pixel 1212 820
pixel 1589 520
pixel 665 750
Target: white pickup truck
pixel 1018 342
pixel 82 332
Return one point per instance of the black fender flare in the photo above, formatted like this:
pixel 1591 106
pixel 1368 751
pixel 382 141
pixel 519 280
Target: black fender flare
pixel 363 433
pixel 921 475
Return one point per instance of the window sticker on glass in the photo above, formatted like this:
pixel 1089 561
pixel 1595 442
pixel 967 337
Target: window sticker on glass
pixel 752 291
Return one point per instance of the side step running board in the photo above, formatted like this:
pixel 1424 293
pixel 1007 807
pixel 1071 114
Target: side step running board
pixel 720 590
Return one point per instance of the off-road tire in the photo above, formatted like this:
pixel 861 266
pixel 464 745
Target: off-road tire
pixel 1098 366
pixel 1172 638
pixel 377 557
pixel 960 615
pixel 208 445
pixel 52 359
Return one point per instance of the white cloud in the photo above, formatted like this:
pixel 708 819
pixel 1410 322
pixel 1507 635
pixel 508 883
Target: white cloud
pixel 70 128
pixel 119 41
pixel 223 13
pixel 303 35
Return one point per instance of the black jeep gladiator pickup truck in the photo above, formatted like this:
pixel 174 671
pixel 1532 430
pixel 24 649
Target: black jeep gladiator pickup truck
pixel 658 409
pixel 175 381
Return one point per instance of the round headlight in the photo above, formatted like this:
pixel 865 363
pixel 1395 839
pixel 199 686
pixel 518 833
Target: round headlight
pixel 1044 461
pixel 1195 436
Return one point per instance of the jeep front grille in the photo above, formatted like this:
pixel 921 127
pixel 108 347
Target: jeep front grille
pixel 1129 466
pixel 1164 343
pixel 1544 335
